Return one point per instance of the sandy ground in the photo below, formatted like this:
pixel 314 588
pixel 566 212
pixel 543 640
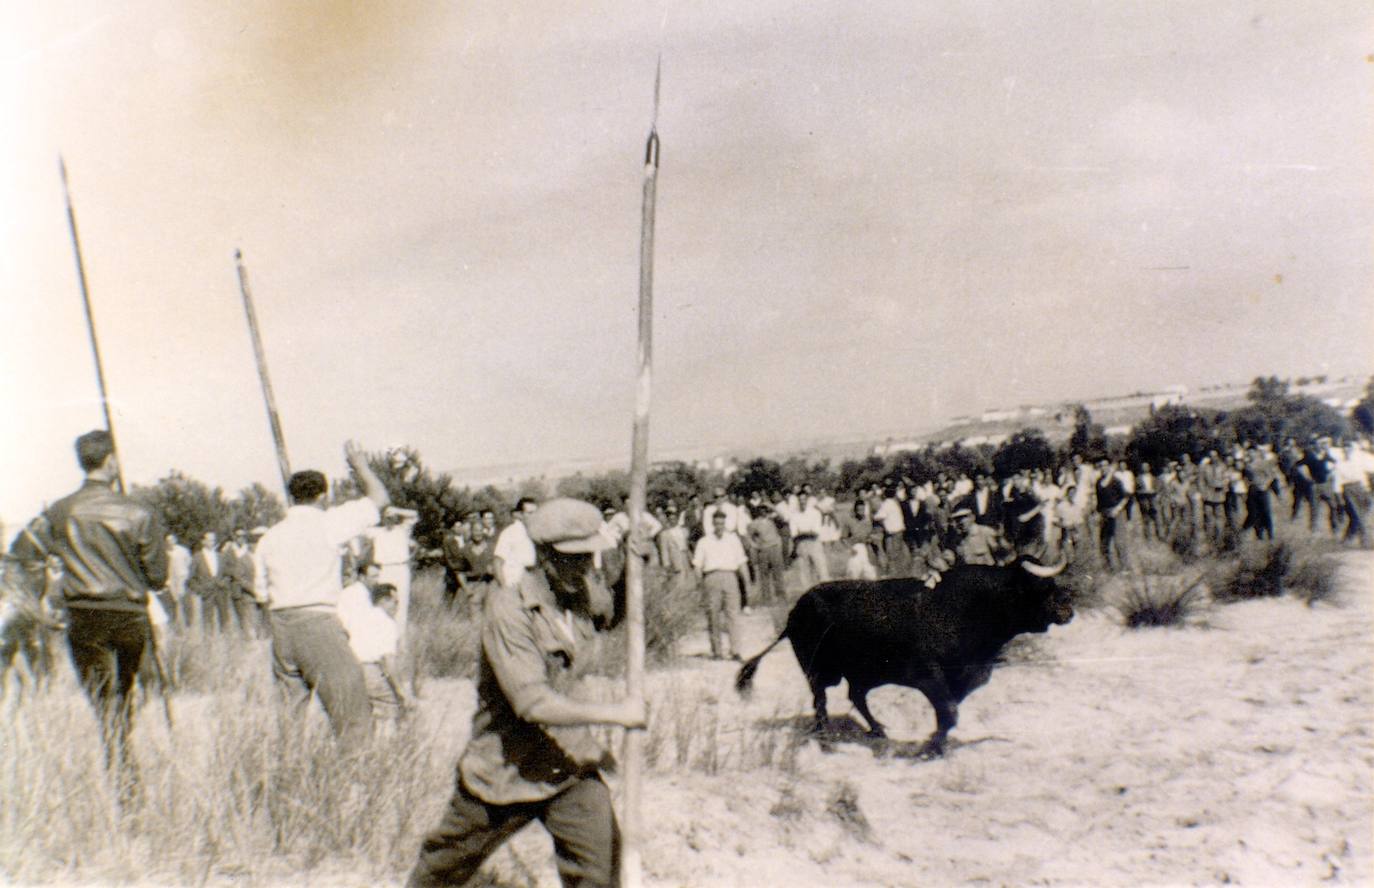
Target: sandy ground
pixel 1236 753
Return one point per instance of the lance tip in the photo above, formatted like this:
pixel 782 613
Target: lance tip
pixel 658 80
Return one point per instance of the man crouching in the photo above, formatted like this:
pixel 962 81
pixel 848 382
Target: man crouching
pixel 531 756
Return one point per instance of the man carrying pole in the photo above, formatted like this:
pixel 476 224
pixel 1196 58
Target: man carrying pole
pixel 113 551
pixel 108 672
pixel 531 755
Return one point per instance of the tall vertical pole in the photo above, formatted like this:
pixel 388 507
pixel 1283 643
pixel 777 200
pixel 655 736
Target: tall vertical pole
pixel 273 419
pixel 632 827
pixel 155 649
pixel 90 320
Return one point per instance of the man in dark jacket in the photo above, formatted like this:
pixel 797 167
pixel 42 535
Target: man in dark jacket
pixel 112 552
pixel 1111 501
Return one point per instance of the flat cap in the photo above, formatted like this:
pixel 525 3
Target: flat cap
pixel 569 525
pixel 963 512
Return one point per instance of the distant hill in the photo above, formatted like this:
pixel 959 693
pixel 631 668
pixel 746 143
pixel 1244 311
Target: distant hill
pixel 1116 414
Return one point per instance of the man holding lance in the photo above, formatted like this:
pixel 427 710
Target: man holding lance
pixel 531 756
pixel 113 552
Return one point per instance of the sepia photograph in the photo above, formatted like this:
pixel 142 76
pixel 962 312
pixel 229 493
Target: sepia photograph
pixel 687 445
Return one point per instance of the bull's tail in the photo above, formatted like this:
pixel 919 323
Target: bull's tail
pixel 745 679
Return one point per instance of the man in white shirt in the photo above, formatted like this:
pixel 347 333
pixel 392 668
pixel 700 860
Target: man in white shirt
pixel 889 516
pixel 178 575
pixel 391 553
pixel 375 639
pixel 514 552
pixel 299 580
pixel 720 562
pixel 805 525
pixel 1354 468
pixel 722 505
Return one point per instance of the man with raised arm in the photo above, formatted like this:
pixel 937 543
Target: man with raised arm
pixel 299 580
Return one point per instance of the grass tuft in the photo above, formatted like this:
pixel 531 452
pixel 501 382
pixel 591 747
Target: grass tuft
pixel 843 805
pixel 1150 601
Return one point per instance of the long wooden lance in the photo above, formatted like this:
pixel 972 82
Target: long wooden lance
pixel 154 649
pixel 632 821
pixel 273 418
pixel 90 320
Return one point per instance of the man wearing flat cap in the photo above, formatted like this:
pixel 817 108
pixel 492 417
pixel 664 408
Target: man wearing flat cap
pixel 977 543
pixel 532 755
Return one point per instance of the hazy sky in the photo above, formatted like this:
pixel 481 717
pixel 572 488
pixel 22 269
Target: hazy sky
pixel 871 217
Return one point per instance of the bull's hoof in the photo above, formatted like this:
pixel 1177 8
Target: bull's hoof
pixel 930 750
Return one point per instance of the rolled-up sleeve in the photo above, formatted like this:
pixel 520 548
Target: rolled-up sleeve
pixel 514 656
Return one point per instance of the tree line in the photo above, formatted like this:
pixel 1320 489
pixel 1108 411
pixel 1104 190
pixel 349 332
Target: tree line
pixel 1271 414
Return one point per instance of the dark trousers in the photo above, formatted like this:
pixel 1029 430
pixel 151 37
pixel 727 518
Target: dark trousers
pixel 310 654
pixel 586 839
pixel 1259 514
pixel 1356 502
pixel 1302 493
pixel 106 648
pixel 1149 515
pixel 1110 543
pixel 768 574
pixel 1326 494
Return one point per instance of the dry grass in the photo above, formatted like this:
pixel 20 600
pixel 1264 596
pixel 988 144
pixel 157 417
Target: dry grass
pixel 238 788
pixel 1300 565
pixel 444 641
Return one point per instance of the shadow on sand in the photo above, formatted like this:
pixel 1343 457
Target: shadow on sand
pixel 845 729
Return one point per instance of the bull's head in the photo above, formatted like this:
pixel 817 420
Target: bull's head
pixel 1058 603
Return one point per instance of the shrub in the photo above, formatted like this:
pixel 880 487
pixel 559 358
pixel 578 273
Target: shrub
pixel 1154 600
pixel 1301 566
pixel 1257 573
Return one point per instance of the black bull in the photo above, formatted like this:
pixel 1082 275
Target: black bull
pixel 942 641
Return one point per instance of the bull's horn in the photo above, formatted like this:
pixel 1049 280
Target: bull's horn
pixel 1045 570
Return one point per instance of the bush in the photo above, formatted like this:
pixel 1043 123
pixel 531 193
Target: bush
pixel 1302 567
pixel 1257 573
pixel 1155 600
pixel 1312 570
